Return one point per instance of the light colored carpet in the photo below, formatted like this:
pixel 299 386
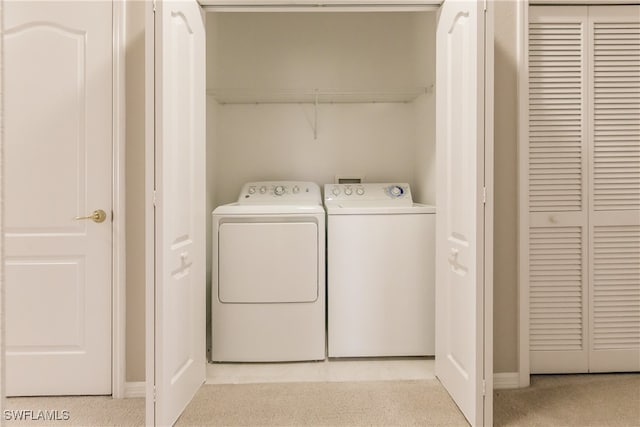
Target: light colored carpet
pixel 375 403
pixel 552 400
pixel 82 410
pixel 571 400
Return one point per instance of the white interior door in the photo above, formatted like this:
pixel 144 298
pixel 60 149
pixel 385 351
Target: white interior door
pixel 176 358
pixel 464 88
pixel 58 136
pixel 583 182
pixel 614 188
pixel 557 183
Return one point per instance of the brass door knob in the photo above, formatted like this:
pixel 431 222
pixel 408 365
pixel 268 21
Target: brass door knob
pixel 96 216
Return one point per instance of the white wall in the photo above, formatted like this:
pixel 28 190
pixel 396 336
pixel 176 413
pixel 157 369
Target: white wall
pixel 370 52
pixel 505 249
pixel 350 51
pixel 134 152
pixel 424 158
pixel 211 188
pixel 275 142
pixel 424 188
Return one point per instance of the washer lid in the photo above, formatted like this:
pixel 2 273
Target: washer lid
pixel 353 208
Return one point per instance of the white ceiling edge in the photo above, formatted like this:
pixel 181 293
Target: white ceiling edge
pixel 320 6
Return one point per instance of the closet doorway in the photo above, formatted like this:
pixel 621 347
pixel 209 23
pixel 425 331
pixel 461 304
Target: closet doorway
pixel 580 190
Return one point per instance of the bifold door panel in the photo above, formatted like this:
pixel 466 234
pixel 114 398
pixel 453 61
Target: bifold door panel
pixel 584 188
pixel 268 262
pixel 176 228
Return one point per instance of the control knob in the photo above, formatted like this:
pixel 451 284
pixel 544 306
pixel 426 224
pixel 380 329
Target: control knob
pixel 360 191
pixel 263 189
pixel 335 191
pixel 296 189
pixel 252 190
pixel 279 190
pixel 348 191
pixel 396 191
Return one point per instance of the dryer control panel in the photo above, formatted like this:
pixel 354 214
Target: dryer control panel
pixel 280 192
pixel 381 194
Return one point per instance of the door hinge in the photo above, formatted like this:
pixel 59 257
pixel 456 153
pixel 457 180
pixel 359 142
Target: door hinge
pixel 154 393
pixel 484 387
pixel 484 195
pixel 154 198
pixel 485 5
pixel 154 6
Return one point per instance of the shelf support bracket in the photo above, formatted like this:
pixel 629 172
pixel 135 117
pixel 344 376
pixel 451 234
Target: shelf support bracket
pixel 315 117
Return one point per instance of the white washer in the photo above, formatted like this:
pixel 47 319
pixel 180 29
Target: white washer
pixel 268 275
pixel 380 260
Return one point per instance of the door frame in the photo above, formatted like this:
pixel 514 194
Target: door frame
pixel 118 261
pixel 488 214
pixel 524 369
pixel 150 200
pixel 2 297
pixel 118 229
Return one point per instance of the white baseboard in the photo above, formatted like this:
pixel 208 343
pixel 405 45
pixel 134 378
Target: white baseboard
pixel 505 380
pixel 134 389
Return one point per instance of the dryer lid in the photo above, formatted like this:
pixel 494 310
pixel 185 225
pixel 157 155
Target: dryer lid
pixel 234 209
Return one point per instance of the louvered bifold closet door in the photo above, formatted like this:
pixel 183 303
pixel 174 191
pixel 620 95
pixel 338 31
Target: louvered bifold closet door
pixel 614 211
pixel 557 178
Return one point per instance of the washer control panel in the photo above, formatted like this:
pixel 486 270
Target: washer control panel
pixel 280 192
pixel 382 194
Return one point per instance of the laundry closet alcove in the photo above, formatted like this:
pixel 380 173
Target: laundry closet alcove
pixel 242 91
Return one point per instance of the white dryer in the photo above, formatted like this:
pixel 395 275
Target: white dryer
pixel 268 275
pixel 381 277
